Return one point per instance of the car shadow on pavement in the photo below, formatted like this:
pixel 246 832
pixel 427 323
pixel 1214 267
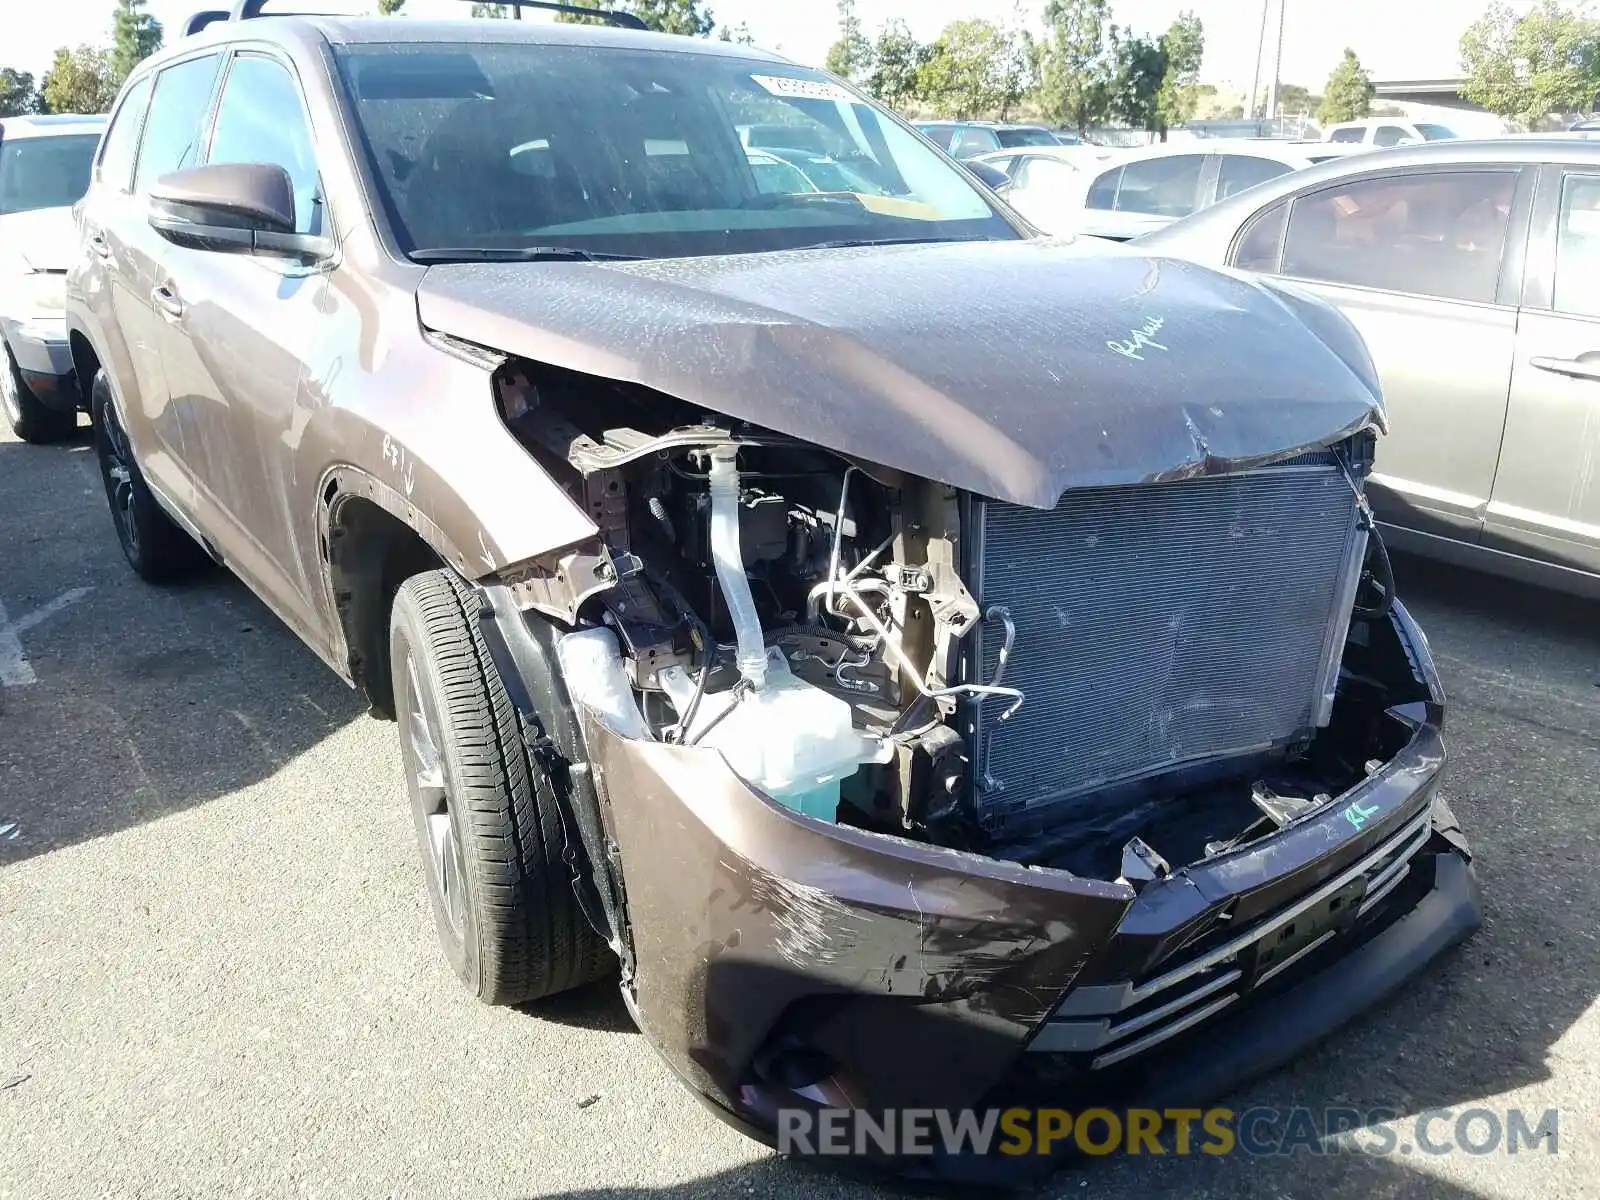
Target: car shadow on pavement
pixel 124 703
pixel 597 1006
pixel 1102 1179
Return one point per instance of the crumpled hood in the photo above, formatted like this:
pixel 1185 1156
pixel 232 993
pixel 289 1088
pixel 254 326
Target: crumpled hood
pixel 1013 370
pixel 45 239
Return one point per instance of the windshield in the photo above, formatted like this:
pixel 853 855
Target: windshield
pixel 514 147
pixel 45 172
pixel 1436 133
pixel 1010 138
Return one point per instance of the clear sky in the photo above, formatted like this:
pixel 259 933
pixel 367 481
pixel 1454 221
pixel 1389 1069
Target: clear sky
pixel 1395 39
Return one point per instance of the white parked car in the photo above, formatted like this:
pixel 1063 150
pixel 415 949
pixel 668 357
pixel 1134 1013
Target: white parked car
pixel 1135 192
pixel 44 169
pixel 1378 132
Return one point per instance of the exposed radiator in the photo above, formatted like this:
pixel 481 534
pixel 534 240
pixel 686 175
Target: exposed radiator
pixel 1160 625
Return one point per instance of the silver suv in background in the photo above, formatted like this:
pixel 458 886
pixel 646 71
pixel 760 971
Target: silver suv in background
pixel 44 170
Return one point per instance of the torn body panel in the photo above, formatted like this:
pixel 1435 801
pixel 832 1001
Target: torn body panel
pixel 1017 396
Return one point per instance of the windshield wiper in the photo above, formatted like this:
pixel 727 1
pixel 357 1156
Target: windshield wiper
pixel 495 254
pixel 851 243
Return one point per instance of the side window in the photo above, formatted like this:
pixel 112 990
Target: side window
pixel 1039 174
pixel 970 141
pixel 1436 233
pixel 1348 135
pixel 120 146
pixel 260 119
pixel 1241 171
pixel 177 114
pixel 1103 192
pixel 1388 135
pixel 1165 187
pixel 1258 247
pixel 1577 289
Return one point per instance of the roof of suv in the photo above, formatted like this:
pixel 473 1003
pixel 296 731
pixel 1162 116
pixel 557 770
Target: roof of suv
pixel 290 29
pixel 51 125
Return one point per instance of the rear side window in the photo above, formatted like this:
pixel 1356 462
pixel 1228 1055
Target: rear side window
pixel 1388 135
pixel 260 119
pixel 1438 233
pixel 120 146
pixel 1577 289
pixel 1163 187
pixel 1103 192
pixel 1348 135
pixel 1258 247
pixel 1241 171
pixel 177 114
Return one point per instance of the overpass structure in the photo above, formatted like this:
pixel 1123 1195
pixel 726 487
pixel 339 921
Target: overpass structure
pixel 1440 93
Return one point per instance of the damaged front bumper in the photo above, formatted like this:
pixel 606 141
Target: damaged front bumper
pixel 781 962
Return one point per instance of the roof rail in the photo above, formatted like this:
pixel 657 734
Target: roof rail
pixel 245 10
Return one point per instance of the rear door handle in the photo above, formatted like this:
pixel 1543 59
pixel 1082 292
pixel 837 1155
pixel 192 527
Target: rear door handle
pixel 167 301
pixel 1577 368
pixel 99 247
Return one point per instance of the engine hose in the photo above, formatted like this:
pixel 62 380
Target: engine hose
pixel 1383 578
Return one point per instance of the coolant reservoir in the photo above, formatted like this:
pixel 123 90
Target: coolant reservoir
pixel 792 740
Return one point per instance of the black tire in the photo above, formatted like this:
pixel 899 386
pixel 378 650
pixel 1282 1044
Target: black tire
pixel 29 419
pixel 487 814
pixel 157 550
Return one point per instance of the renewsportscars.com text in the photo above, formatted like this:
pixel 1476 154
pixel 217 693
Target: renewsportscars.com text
pixel 1262 1131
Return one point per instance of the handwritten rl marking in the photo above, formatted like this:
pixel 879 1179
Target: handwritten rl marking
pixel 1138 339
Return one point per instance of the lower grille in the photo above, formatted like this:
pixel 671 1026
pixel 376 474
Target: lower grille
pixel 1160 625
pixel 1116 1022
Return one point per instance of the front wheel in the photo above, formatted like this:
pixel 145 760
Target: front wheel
pixel 29 419
pixel 487 812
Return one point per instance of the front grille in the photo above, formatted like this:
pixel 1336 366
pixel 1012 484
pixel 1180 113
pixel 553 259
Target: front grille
pixel 1160 625
pixel 1117 1022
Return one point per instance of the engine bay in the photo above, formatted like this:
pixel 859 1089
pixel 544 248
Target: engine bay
pixel 805 615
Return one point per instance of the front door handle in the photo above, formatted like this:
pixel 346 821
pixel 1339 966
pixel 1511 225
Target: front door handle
pixel 1577 368
pixel 167 301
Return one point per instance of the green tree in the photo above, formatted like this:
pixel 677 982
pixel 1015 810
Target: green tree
pixel 1547 61
pixel 965 72
pixel 79 81
pixel 739 34
pixel 1141 67
pixel 686 17
pixel 1292 98
pixel 1348 96
pixel 388 8
pixel 135 36
pixel 1183 46
pixel 851 56
pixel 1078 71
pixel 17 96
pixel 1019 64
pixel 897 59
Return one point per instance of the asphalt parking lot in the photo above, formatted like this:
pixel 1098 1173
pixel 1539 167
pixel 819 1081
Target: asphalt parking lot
pixel 218 973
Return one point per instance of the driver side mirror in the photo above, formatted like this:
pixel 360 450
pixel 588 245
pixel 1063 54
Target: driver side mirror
pixel 233 208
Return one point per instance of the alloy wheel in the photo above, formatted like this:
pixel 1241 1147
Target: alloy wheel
pixel 116 462
pixel 432 797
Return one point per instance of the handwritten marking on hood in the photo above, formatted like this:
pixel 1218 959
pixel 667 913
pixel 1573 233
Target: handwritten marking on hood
pixel 1138 339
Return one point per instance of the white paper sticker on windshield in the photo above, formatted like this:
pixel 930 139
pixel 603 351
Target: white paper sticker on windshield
pixel 803 89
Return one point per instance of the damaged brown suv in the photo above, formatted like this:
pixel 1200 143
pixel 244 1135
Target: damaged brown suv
pixel 932 665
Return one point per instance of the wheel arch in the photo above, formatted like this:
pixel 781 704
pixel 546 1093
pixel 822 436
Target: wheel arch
pixel 85 366
pixel 370 541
